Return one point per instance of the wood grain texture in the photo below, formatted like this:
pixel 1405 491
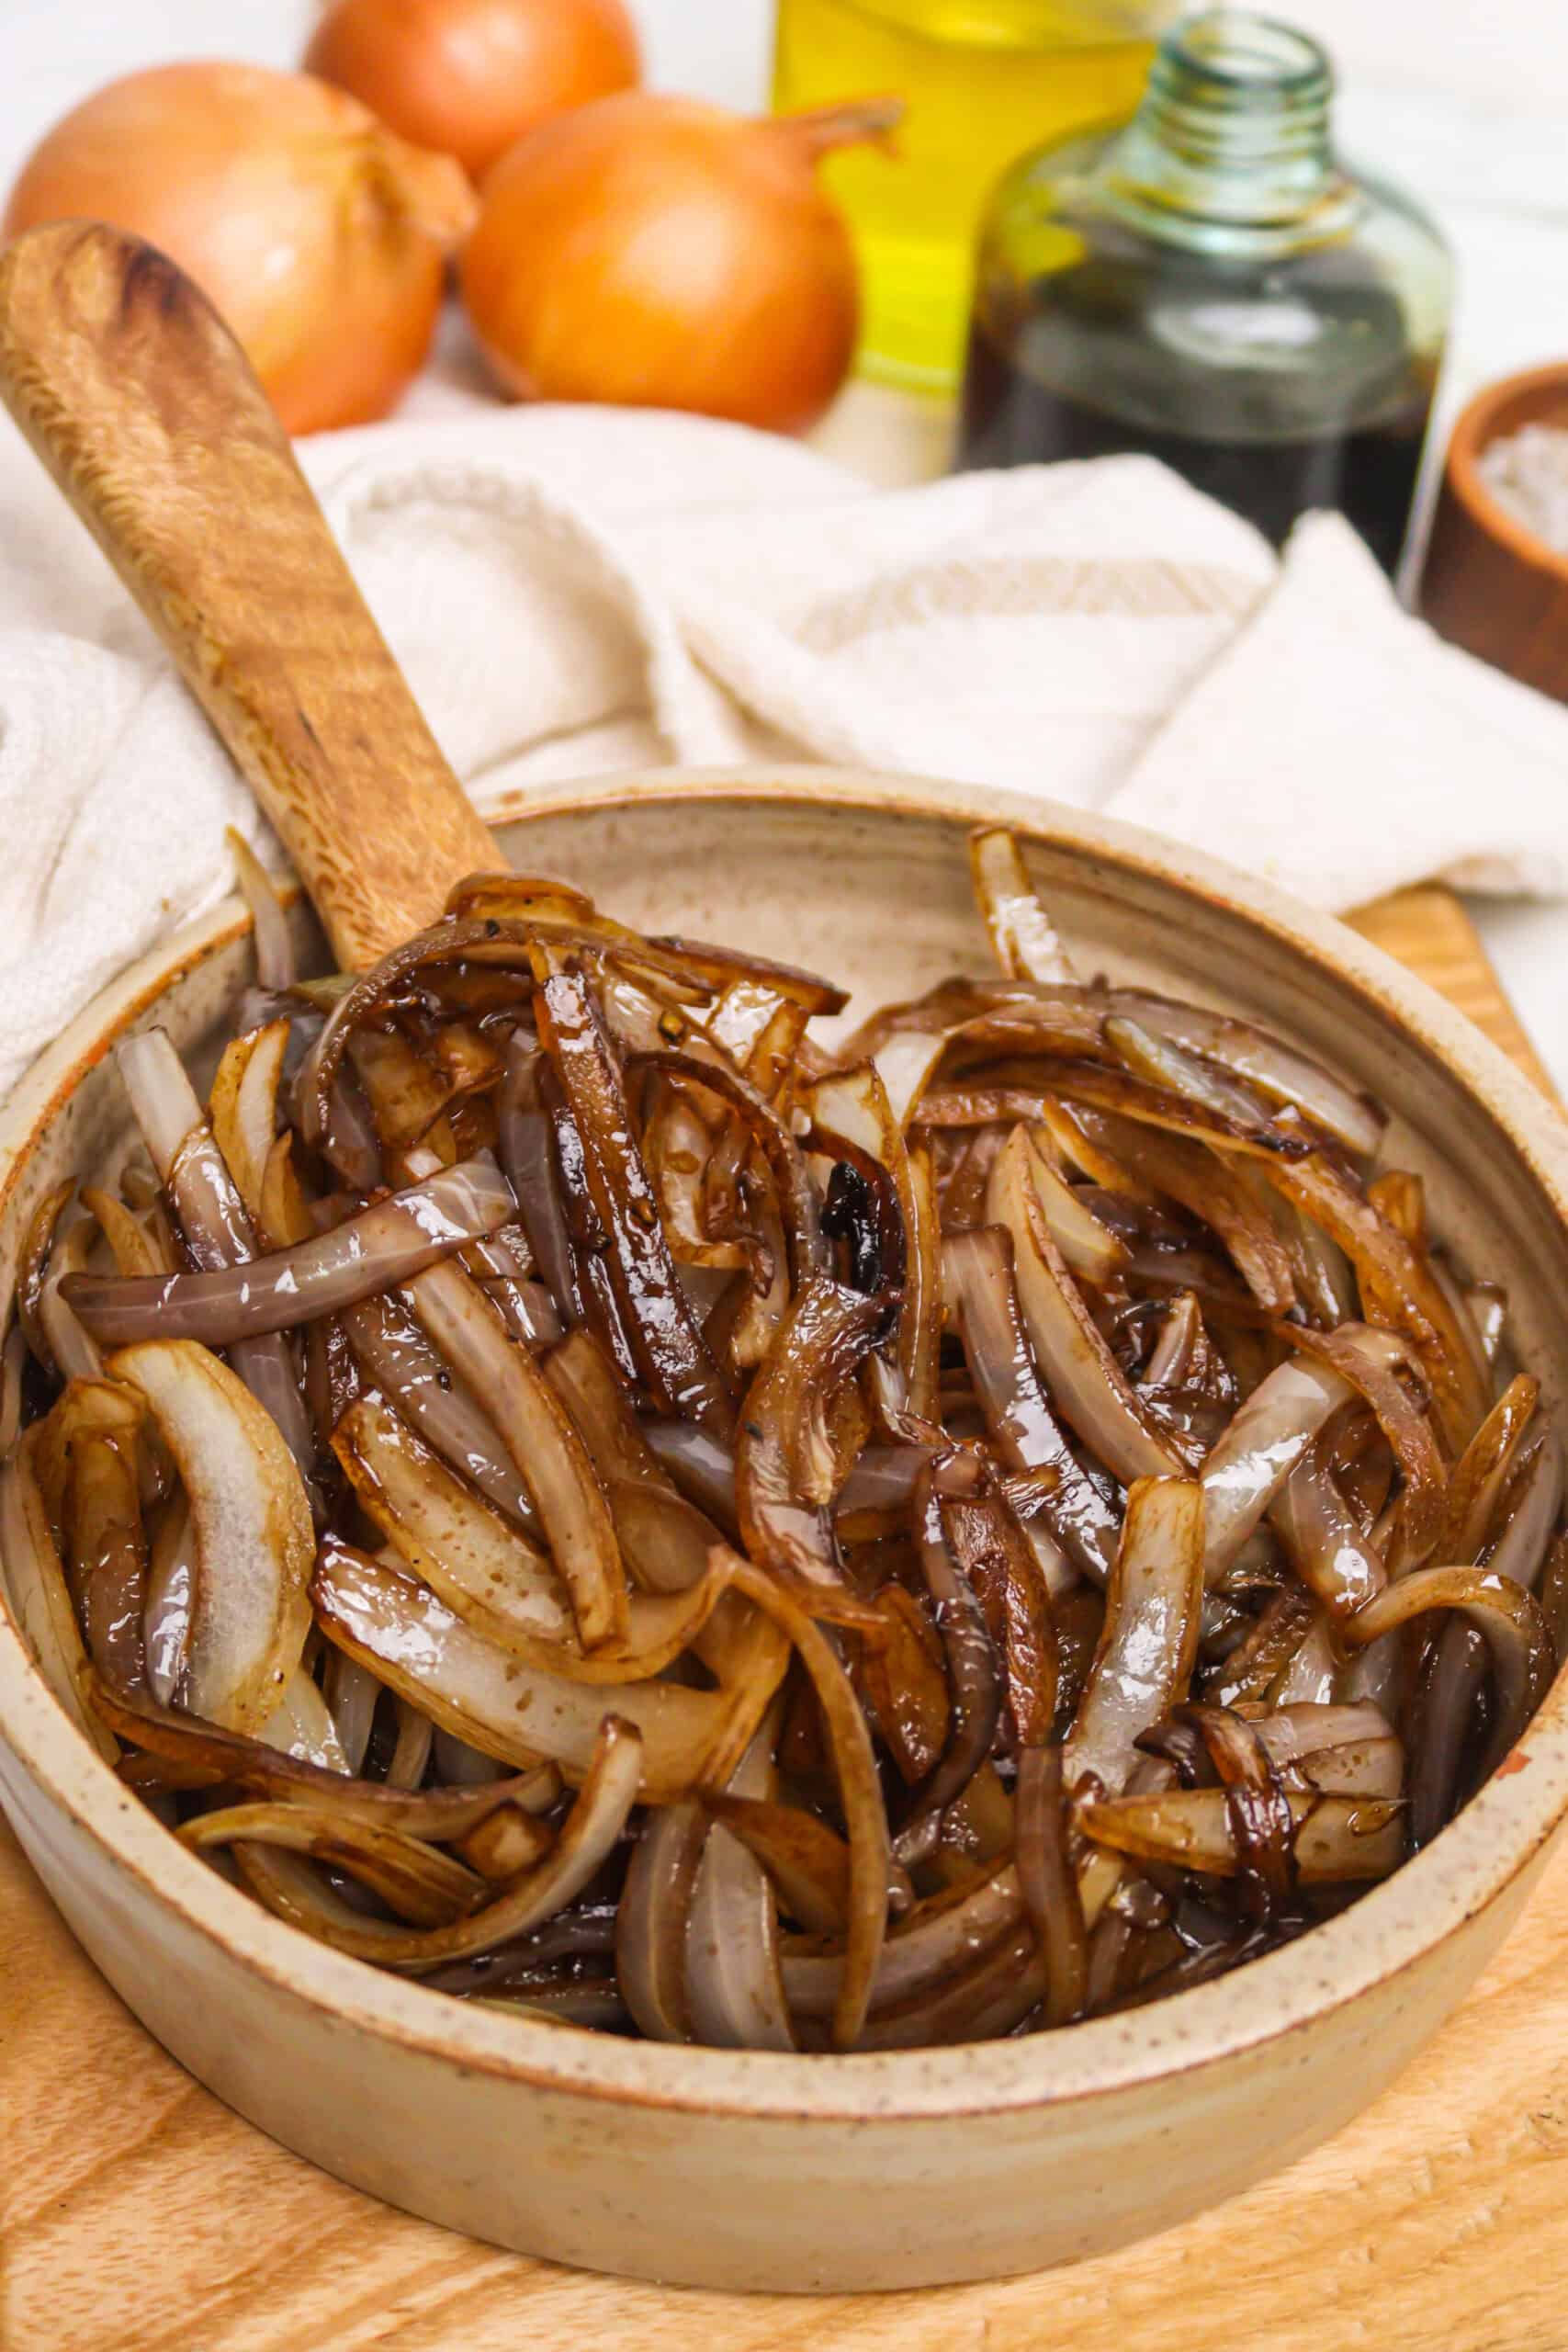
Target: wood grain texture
pixel 144 409
pixel 139 2214
pixel 1427 928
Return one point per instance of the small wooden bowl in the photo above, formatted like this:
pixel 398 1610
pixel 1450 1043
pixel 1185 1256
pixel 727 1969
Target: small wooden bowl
pixel 1490 585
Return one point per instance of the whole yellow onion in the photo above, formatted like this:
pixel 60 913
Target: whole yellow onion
pixel 318 234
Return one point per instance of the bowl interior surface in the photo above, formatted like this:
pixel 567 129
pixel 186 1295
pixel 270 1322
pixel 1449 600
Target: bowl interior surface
pixel 866 879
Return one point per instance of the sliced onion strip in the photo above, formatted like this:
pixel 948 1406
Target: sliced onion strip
pixel 1149 1644
pixel 413 1878
pixel 489 1572
pixel 590 1829
pixel 211 1756
pixel 977 1274
pixel 1024 937
pixel 519 1713
pixel 251 1519
pixel 544 1446
pixel 1077 1367
pixel 1333 1837
pixel 374 1251
pixel 39 1595
pixel 860 1794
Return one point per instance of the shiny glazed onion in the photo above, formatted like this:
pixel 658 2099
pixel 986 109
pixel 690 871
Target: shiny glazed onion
pixel 567 1488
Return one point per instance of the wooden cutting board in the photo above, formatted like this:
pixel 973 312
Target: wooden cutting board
pixel 138 2215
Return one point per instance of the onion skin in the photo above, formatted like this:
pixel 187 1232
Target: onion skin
pixel 660 253
pixel 467 77
pixel 317 235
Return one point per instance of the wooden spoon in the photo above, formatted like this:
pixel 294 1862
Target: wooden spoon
pixel 148 414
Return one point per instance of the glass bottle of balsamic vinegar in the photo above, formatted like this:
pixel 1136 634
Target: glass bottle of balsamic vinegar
pixel 1206 283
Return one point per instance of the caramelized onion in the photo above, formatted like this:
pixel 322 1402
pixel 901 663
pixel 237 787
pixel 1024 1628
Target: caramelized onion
pixel 670 1351
pixel 372 1253
pixel 732 1938
pixel 1332 1838
pixel 1085 1417
pixel 1150 1640
pixel 978 1275
pixel 860 1794
pixel 250 1520
pixel 489 1573
pixel 782 1500
pixel 518 1714
pixel 973 1675
pixel 1079 1368
pixel 1023 933
pixel 1049 1885
pixel 212 1755
pixel 596 1820
pixel 543 1444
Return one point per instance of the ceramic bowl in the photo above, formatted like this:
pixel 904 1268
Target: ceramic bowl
pixel 1489 583
pixel 753 2170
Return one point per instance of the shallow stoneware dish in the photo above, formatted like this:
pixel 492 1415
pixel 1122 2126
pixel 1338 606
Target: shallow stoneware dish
pixel 746 2170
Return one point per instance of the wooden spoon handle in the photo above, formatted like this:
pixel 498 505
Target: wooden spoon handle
pixel 146 412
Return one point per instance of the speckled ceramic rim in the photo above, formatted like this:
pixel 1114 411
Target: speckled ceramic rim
pixel 1491 1843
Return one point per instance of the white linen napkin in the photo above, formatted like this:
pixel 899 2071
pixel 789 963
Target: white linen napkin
pixel 576 590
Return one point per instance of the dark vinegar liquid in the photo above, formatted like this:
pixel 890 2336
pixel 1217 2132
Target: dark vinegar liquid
pixel 1249 446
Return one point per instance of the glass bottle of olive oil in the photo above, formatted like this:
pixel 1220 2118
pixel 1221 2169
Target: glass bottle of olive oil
pixel 983 81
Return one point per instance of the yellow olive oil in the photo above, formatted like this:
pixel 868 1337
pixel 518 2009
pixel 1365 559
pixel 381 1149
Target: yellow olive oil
pixel 983 81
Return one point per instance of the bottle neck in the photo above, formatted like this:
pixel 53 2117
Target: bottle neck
pixel 1231 144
